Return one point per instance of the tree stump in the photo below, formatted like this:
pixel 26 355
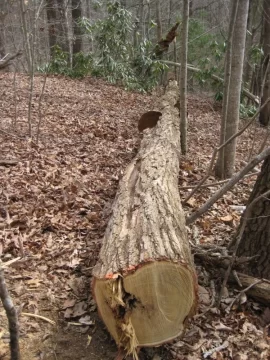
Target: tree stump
pixel 144 281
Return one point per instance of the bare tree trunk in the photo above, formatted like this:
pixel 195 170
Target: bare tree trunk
pixel 147 19
pixel 169 11
pixel 158 19
pixel 265 113
pixel 139 28
pixel 247 72
pixel 219 169
pixel 144 281
pixel 183 77
pixel 88 9
pixel 255 241
pixel 51 18
pixel 57 25
pixel 231 112
pixel 63 30
pixel 26 36
pixel 77 33
pixel 190 8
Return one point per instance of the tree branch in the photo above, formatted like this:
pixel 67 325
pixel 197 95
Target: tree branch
pixel 256 160
pixel 5 62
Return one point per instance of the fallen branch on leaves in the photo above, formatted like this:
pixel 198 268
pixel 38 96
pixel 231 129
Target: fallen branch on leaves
pixel 39 317
pixel 234 180
pixel 11 315
pixel 221 182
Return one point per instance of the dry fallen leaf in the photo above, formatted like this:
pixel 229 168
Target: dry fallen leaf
pixel 228 218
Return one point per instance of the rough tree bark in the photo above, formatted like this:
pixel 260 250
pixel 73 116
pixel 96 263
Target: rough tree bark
pixel 144 282
pixel 265 113
pixel 256 237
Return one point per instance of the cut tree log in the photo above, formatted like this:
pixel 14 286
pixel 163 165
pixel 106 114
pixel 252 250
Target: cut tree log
pixel 144 282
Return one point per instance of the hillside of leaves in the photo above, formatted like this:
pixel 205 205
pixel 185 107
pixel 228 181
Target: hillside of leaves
pixel 55 201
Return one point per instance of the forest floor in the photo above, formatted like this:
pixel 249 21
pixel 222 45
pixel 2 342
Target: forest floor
pixel 55 202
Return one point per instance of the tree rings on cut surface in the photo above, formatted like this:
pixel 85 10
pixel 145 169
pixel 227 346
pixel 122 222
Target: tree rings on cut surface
pixel 147 306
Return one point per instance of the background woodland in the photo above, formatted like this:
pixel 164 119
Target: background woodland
pixel 76 76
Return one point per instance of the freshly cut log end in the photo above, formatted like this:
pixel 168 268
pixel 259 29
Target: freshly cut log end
pixel 148 306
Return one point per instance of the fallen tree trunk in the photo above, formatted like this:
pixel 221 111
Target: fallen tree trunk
pixel 144 282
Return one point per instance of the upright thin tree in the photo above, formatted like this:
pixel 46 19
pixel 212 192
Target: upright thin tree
pixel 183 76
pixel 232 89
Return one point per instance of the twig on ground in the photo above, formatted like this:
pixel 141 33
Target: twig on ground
pixel 259 281
pixel 193 348
pixel 237 278
pixel 218 348
pixel 38 317
pixel 10 262
pixel 12 317
pixel 215 183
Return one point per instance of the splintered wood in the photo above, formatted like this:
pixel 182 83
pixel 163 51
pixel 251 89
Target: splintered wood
pixel 144 282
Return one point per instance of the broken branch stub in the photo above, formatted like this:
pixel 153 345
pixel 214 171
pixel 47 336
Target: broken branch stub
pixel 144 281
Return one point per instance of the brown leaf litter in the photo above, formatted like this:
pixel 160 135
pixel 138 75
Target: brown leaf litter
pixel 55 202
